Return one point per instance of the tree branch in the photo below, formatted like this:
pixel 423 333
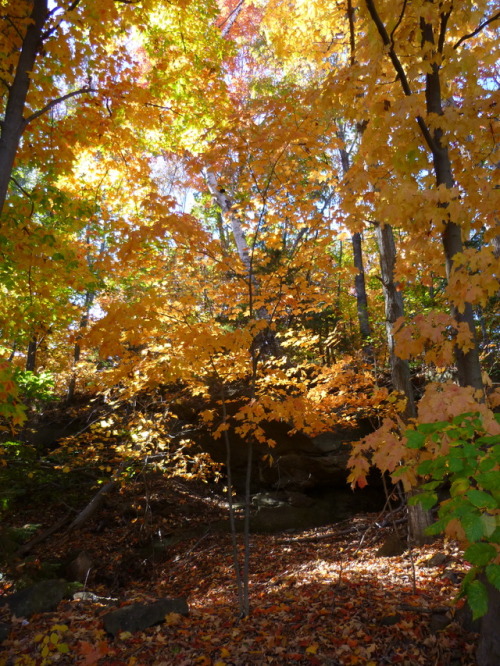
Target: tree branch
pixel 370 5
pixel 55 102
pixel 398 22
pixel 230 20
pixel 482 25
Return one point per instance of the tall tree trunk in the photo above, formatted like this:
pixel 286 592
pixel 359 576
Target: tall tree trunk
pixel 394 309
pixel 468 365
pixel 418 518
pixel 265 342
pixel 359 279
pixel 13 124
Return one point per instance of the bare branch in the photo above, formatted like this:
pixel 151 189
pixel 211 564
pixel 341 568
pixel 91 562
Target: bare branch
pixel 480 27
pixel 55 102
pixel 230 19
pixel 398 23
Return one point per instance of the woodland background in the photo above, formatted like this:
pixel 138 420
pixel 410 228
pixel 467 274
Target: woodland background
pixel 255 213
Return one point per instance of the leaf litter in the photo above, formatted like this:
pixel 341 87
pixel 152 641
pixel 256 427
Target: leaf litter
pixel 320 597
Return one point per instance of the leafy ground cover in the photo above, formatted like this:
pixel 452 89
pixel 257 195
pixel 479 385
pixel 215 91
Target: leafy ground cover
pixel 321 596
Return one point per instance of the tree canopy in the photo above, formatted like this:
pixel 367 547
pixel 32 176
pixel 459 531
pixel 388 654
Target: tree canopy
pixel 297 198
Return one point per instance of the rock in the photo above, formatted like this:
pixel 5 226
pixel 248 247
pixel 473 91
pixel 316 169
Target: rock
pixel 392 547
pixel 78 568
pixel 39 598
pixel 138 617
pixel 438 622
pixel 436 560
pixel 4 631
pixel 390 620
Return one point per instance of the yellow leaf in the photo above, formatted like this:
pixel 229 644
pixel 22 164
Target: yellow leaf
pixel 312 649
pixel 124 635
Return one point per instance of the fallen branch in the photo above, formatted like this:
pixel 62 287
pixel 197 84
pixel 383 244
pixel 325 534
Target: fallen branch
pixel 96 501
pixel 25 548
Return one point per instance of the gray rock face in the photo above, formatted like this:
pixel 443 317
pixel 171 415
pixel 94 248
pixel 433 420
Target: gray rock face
pixel 39 598
pixel 295 462
pixel 138 617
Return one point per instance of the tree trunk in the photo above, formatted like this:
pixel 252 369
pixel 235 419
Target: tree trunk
pixel 468 365
pixel 360 288
pixel 359 279
pixel 488 652
pixel 31 354
pixel 89 299
pixel 418 518
pixel 13 124
pixel 400 369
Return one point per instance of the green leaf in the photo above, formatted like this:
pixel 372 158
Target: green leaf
pixel 416 439
pixel 481 499
pixel 430 428
pixel 487 440
pixel 425 467
pixel 456 464
pixel 495 537
pixel 489 523
pixel 489 480
pixel 493 574
pixel 459 487
pixel 461 418
pixel 473 526
pixel 477 596
pixel 486 464
pixel 427 500
pixel 480 554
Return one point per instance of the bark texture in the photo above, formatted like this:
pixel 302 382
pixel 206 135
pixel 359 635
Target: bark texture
pixel 14 122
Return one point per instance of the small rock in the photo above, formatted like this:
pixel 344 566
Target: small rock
pixel 138 617
pixel 453 576
pixel 79 567
pixel 436 560
pixel 438 622
pixel 39 598
pixel 392 547
pixel 390 620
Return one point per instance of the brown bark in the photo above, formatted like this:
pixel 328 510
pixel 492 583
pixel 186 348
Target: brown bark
pixel 418 518
pixel 14 122
pixel 359 279
pixel 394 308
pixel 31 354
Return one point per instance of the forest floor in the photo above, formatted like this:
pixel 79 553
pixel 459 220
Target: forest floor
pixel 320 596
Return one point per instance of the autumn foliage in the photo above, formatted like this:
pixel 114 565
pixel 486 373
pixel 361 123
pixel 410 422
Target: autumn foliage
pixel 287 207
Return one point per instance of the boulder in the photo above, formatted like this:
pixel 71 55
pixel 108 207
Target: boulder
pixel 393 546
pixel 78 567
pixel 138 617
pixel 42 597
